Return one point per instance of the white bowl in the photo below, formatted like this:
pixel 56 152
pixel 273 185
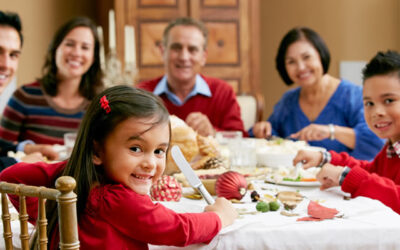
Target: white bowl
pixel 281 155
pixel 274 160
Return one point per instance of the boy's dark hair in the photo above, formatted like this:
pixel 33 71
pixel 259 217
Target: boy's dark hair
pixel 125 102
pixel 383 63
pixel 294 35
pixel 12 20
pixel 186 21
pixel 91 82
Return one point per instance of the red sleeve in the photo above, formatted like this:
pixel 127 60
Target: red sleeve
pixel 344 159
pixel 371 179
pixel 227 109
pixel 154 223
pixel 231 112
pixel 35 174
pixel 359 182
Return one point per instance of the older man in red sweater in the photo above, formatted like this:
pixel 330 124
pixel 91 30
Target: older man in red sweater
pixel 206 104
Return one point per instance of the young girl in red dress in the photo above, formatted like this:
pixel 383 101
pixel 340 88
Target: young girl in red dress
pixel 120 151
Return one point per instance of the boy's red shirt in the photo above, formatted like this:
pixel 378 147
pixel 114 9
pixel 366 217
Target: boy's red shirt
pixel 378 179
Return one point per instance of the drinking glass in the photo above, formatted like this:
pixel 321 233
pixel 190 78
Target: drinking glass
pixel 69 142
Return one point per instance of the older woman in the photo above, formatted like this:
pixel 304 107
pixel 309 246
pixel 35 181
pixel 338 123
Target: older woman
pixel 323 110
pixel 45 110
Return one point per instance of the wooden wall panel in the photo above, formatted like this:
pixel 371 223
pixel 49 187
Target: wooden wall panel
pixel 229 24
pixel 150 35
pixel 219 3
pixel 223 43
pixel 151 3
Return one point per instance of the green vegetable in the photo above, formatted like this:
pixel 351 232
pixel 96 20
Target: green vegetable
pixel 274 205
pixel 262 206
pixel 279 141
pixel 291 179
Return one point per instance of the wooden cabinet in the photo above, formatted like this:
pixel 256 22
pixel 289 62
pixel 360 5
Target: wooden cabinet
pixel 233 45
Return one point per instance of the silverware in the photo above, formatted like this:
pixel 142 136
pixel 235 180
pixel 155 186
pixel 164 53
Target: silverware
pixel 190 175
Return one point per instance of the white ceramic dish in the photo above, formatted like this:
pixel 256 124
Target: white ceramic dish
pixel 281 156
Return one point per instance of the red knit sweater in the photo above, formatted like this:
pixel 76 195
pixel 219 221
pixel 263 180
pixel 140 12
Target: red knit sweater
pixel 379 179
pixel 222 108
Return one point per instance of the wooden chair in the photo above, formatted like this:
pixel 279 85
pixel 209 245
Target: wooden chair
pixel 251 108
pixel 67 220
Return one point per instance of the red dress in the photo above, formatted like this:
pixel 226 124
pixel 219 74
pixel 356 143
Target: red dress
pixel 116 217
pixel 379 179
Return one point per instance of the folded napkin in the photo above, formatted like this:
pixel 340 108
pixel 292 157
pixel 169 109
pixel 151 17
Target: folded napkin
pixel 317 212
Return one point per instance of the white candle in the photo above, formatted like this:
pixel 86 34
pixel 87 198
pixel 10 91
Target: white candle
pixel 127 45
pixel 102 53
pixel 133 46
pixel 111 29
pixel 130 47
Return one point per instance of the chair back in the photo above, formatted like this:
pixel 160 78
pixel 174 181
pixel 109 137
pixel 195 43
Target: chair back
pixel 67 221
pixel 251 108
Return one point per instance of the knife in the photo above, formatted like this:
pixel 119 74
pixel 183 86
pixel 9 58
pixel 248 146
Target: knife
pixel 190 175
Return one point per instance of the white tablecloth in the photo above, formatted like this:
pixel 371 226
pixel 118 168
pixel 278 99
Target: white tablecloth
pixel 367 224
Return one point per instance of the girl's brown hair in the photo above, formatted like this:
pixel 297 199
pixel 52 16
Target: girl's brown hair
pixel 124 102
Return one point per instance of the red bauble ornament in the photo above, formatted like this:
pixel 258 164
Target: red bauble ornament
pixel 231 185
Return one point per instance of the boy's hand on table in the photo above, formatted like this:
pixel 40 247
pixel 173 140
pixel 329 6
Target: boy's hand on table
pixel 329 176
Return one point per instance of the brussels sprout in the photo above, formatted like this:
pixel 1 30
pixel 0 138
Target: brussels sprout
pixel 262 206
pixel 274 205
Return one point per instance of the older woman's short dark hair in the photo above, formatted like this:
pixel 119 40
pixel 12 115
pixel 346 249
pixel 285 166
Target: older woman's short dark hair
pixel 294 35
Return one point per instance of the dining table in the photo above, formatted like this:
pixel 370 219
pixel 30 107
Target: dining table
pixel 361 223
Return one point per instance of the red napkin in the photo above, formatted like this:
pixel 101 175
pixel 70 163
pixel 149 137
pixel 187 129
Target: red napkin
pixel 317 212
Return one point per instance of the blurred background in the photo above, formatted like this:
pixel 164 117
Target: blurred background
pixel 244 34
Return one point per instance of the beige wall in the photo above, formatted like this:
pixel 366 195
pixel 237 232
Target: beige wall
pixel 352 29
pixel 40 20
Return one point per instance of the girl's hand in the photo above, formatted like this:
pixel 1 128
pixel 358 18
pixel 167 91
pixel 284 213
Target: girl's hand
pixel 329 176
pixel 224 209
pixel 262 129
pixel 308 158
pixel 313 132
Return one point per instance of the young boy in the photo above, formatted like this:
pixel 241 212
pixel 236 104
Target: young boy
pixel 379 179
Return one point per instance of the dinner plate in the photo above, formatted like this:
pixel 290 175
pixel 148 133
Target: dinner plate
pixel 294 183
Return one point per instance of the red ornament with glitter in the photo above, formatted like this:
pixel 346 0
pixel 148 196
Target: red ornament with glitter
pixel 167 188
